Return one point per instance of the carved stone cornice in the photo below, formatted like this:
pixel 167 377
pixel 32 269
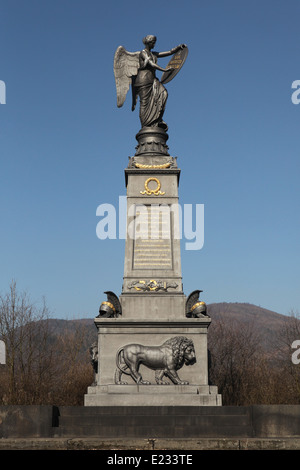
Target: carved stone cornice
pixel 148 324
pixel 166 171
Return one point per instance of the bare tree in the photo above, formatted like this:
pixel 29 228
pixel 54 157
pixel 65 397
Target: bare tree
pixel 24 329
pixel 43 366
pixel 73 370
pixel 236 357
pixel 286 349
pixel 248 370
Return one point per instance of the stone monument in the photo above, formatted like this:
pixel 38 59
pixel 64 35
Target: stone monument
pixel 152 339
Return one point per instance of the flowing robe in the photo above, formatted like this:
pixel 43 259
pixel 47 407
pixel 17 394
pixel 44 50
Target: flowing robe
pixel 153 95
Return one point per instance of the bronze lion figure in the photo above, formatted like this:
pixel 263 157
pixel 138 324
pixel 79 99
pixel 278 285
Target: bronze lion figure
pixel 165 360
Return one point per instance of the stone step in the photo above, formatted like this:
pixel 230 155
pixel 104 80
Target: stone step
pixel 148 432
pixel 158 422
pixel 113 420
pixel 153 410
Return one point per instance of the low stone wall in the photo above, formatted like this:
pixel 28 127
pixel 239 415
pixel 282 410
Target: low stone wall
pixel 26 421
pixel 259 421
pixel 276 420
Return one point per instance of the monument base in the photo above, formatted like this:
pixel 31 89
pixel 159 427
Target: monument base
pixel 152 395
pixel 152 363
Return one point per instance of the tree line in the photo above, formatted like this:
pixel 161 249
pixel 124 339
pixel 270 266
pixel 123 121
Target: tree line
pixel 46 366
pixel 43 366
pixel 247 370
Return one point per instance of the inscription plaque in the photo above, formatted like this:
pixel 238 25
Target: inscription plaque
pixel 152 239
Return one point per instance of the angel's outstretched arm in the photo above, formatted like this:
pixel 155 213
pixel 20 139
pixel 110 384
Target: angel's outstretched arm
pixel 172 51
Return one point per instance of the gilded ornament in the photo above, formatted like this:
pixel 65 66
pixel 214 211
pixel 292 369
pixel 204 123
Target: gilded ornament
pixel 155 191
pixel 154 167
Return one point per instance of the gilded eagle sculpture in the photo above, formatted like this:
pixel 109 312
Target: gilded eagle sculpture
pixel 138 70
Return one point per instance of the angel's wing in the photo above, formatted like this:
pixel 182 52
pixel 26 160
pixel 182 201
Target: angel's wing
pixel 192 299
pixel 126 65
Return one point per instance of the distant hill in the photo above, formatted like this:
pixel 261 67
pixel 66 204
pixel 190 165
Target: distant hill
pixel 245 312
pixel 85 327
pixel 267 323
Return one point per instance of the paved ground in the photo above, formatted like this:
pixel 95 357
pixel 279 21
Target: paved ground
pixel 151 444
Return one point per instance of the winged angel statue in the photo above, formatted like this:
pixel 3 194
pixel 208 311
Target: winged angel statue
pixel 138 70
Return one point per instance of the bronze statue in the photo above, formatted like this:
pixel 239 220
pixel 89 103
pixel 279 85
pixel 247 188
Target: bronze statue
pixel 165 360
pixel 138 70
pixel 94 360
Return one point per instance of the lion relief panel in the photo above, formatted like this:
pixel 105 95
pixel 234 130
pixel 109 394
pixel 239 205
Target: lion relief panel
pixel 165 360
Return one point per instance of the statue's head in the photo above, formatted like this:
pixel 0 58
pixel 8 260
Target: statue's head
pixel 149 39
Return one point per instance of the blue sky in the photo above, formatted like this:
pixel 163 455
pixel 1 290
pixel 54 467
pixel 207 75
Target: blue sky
pixel 64 145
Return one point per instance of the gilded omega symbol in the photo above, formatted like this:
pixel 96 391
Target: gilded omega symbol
pixel 155 191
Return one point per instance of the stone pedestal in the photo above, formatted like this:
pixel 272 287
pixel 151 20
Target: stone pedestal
pixel 153 395
pixel 114 334
pixel 152 340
